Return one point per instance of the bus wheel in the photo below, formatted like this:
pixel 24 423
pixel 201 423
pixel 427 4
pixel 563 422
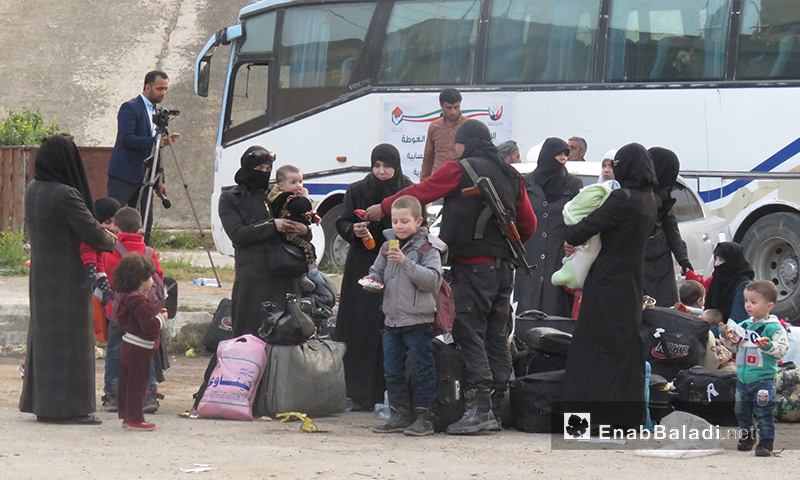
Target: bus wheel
pixel 335 246
pixel 772 246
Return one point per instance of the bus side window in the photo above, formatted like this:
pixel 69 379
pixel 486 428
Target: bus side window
pixel 542 42
pixel 678 40
pixel 430 43
pixel 318 50
pixel 249 96
pixel 769 43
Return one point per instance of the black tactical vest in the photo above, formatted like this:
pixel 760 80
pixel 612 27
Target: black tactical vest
pixel 467 229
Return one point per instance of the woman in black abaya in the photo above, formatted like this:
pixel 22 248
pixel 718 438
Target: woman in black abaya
pixel 605 373
pixel 360 319
pixel 731 274
pixel 665 240
pixel 59 377
pixel 549 188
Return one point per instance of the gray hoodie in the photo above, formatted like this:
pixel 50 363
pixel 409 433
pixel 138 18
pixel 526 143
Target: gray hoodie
pixel 410 287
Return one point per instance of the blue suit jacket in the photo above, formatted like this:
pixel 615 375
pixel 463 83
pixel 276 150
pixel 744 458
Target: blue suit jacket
pixel 134 142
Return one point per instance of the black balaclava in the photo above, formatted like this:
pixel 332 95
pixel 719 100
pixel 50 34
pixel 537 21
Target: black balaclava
pixel 247 175
pixel 727 277
pixel 666 165
pixel 550 174
pixel 58 161
pixel 477 140
pixel 634 167
pixel 106 208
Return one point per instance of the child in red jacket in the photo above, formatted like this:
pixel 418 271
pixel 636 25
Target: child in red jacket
pixel 129 241
pixel 142 323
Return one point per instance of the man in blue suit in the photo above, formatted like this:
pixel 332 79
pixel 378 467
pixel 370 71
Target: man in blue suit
pixel 135 138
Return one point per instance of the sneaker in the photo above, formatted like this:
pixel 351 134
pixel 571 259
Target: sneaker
pixel 747 441
pixel 109 402
pixel 139 427
pixel 151 402
pixel 423 425
pixel 400 418
pixel 764 448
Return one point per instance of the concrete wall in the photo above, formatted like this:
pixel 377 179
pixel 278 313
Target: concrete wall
pixel 78 60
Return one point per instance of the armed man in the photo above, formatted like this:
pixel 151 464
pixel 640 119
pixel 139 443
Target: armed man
pixel 483 256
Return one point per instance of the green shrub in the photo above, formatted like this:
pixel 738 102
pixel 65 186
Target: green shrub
pixel 12 254
pixel 25 127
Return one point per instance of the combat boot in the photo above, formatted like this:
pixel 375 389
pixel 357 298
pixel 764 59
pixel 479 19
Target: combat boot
pixel 764 448
pixel 400 418
pixel 747 441
pixel 424 424
pixel 478 415
pixel 110 402
pixel 497 401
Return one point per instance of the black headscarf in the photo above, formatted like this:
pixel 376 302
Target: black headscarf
pixel 377 190
pixel 634 167
pixel 550 174
pixel 247 175
pixel 666 165
pixel 727 277
pixel 106 208
pixel 477 140
pixel 58 161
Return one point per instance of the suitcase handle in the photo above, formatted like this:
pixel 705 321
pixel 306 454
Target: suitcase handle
pixel 533 314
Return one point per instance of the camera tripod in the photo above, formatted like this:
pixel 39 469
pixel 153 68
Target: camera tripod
pixel 154 179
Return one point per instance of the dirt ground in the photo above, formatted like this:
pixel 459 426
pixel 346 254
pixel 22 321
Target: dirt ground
pixel 258 449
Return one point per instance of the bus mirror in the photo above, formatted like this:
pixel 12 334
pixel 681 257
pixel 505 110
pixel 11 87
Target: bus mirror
pixel 203 75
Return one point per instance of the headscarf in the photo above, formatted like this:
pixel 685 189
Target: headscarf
pixel 477 139
pixel 727 277
pixel 608 156
pixel 507 148
pixel 106 208
pixel 666 165
pixel 634 167
pixel 550 174
pixel 377 189
pixel 58 161
pixel 247 175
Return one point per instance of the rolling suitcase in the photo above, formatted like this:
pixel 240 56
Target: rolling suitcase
pixel 450 398
pixel 306 378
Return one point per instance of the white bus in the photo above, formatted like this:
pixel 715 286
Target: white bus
pixel 322 82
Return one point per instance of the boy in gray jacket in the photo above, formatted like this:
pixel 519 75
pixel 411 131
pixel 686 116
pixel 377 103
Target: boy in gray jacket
pixel 410 266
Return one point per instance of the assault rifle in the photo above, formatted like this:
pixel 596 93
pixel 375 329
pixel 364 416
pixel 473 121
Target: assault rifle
pixel 502 218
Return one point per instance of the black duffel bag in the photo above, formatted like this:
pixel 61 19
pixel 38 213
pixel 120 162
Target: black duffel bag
pixel 534 402
pixel 708 394
pixel 673 340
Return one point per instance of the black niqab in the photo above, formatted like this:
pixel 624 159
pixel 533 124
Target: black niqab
pixel 377 190
pixel 247 175
pixel 634 167
pixel 727 277
pixel 666 165
pixel 550 174
pixel 58 160
pixel 477 140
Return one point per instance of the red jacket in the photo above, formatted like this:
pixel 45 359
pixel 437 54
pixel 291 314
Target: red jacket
pixel 445 180
pixel 134 244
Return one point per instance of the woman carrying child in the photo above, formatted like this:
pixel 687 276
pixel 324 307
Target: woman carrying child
pixel 360 319
pixel 605 372
pixel 142 321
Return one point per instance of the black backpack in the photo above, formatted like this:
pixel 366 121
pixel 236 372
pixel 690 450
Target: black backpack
pixel 673 340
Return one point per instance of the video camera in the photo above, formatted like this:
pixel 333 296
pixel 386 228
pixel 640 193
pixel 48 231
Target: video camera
pixel 161 116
